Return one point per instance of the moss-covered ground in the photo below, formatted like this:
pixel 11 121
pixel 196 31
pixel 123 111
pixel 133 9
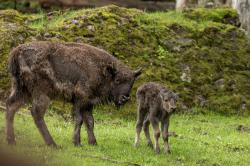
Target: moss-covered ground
pixel 200 53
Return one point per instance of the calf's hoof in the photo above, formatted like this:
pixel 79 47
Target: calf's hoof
pixel 157 150
pixel 167 151
pixel 150 144
pixel 137 144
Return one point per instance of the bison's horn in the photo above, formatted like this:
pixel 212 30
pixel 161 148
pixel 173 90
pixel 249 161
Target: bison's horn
pixel 138 72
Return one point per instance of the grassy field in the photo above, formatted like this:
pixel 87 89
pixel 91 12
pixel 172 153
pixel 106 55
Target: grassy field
pixel 203 139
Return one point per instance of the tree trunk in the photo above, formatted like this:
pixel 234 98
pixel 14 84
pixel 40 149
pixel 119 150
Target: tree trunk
pixel 243 8
pixel 181 4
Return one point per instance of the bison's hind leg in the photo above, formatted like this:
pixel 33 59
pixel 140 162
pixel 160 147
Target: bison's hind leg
pixel 16 99
pixel 40 104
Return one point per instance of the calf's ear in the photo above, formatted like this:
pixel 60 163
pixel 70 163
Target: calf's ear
pixel 137 72
pixel 161 94
pixel 177 96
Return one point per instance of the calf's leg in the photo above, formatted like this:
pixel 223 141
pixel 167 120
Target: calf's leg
pixel 40 104
pixel 165 134
pixel 139 124
pixel 146 124
pixel 155 123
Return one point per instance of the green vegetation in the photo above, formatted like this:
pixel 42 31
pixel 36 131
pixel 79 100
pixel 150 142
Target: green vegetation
pixel 200 53
pixel 209 139
pixel 20 5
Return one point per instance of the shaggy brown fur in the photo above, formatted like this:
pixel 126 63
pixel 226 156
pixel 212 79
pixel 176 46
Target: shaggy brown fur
pixel 79 73
pixel 155 104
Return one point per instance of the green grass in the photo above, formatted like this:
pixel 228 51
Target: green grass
pixel 202 140
pixel 41 21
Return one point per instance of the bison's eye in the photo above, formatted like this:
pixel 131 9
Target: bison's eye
pixel 117 81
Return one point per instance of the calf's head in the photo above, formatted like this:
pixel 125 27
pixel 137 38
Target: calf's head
pixel 122 85
pixel 169 100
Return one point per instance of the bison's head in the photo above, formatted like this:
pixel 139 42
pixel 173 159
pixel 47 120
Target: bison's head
pixel 122 84
pixel 169 100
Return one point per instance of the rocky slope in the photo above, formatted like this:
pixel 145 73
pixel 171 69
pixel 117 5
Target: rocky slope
pixel 201 53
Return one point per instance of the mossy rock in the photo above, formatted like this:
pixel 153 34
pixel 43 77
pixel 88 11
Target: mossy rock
pixel 222 15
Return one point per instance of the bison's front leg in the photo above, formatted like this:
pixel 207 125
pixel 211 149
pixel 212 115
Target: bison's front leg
pixel 79 121
pixel 39 107
pixel 89 123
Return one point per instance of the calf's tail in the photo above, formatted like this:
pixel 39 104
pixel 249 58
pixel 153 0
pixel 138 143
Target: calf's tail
pixel 140 96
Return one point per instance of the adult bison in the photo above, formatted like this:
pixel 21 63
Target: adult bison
pixel 79 73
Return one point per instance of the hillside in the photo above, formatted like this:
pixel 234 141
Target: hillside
pixel 201 53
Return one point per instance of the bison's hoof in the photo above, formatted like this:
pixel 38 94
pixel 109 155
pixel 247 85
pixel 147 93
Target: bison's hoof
pixel 92 142
pixel 57 146
pixel 54 145
pixel 11 142
pixel 78 145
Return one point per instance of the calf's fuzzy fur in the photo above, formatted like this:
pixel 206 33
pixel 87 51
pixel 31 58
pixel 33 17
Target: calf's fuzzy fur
pixel 156 103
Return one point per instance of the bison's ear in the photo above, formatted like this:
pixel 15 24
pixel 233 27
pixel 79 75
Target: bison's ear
pixel 111 70
pixel 137 72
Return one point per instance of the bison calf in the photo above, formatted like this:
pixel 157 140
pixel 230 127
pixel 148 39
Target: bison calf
pixel 155 104
pixel 78 73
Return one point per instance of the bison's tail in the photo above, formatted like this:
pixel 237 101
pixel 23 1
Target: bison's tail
pixel 15 67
